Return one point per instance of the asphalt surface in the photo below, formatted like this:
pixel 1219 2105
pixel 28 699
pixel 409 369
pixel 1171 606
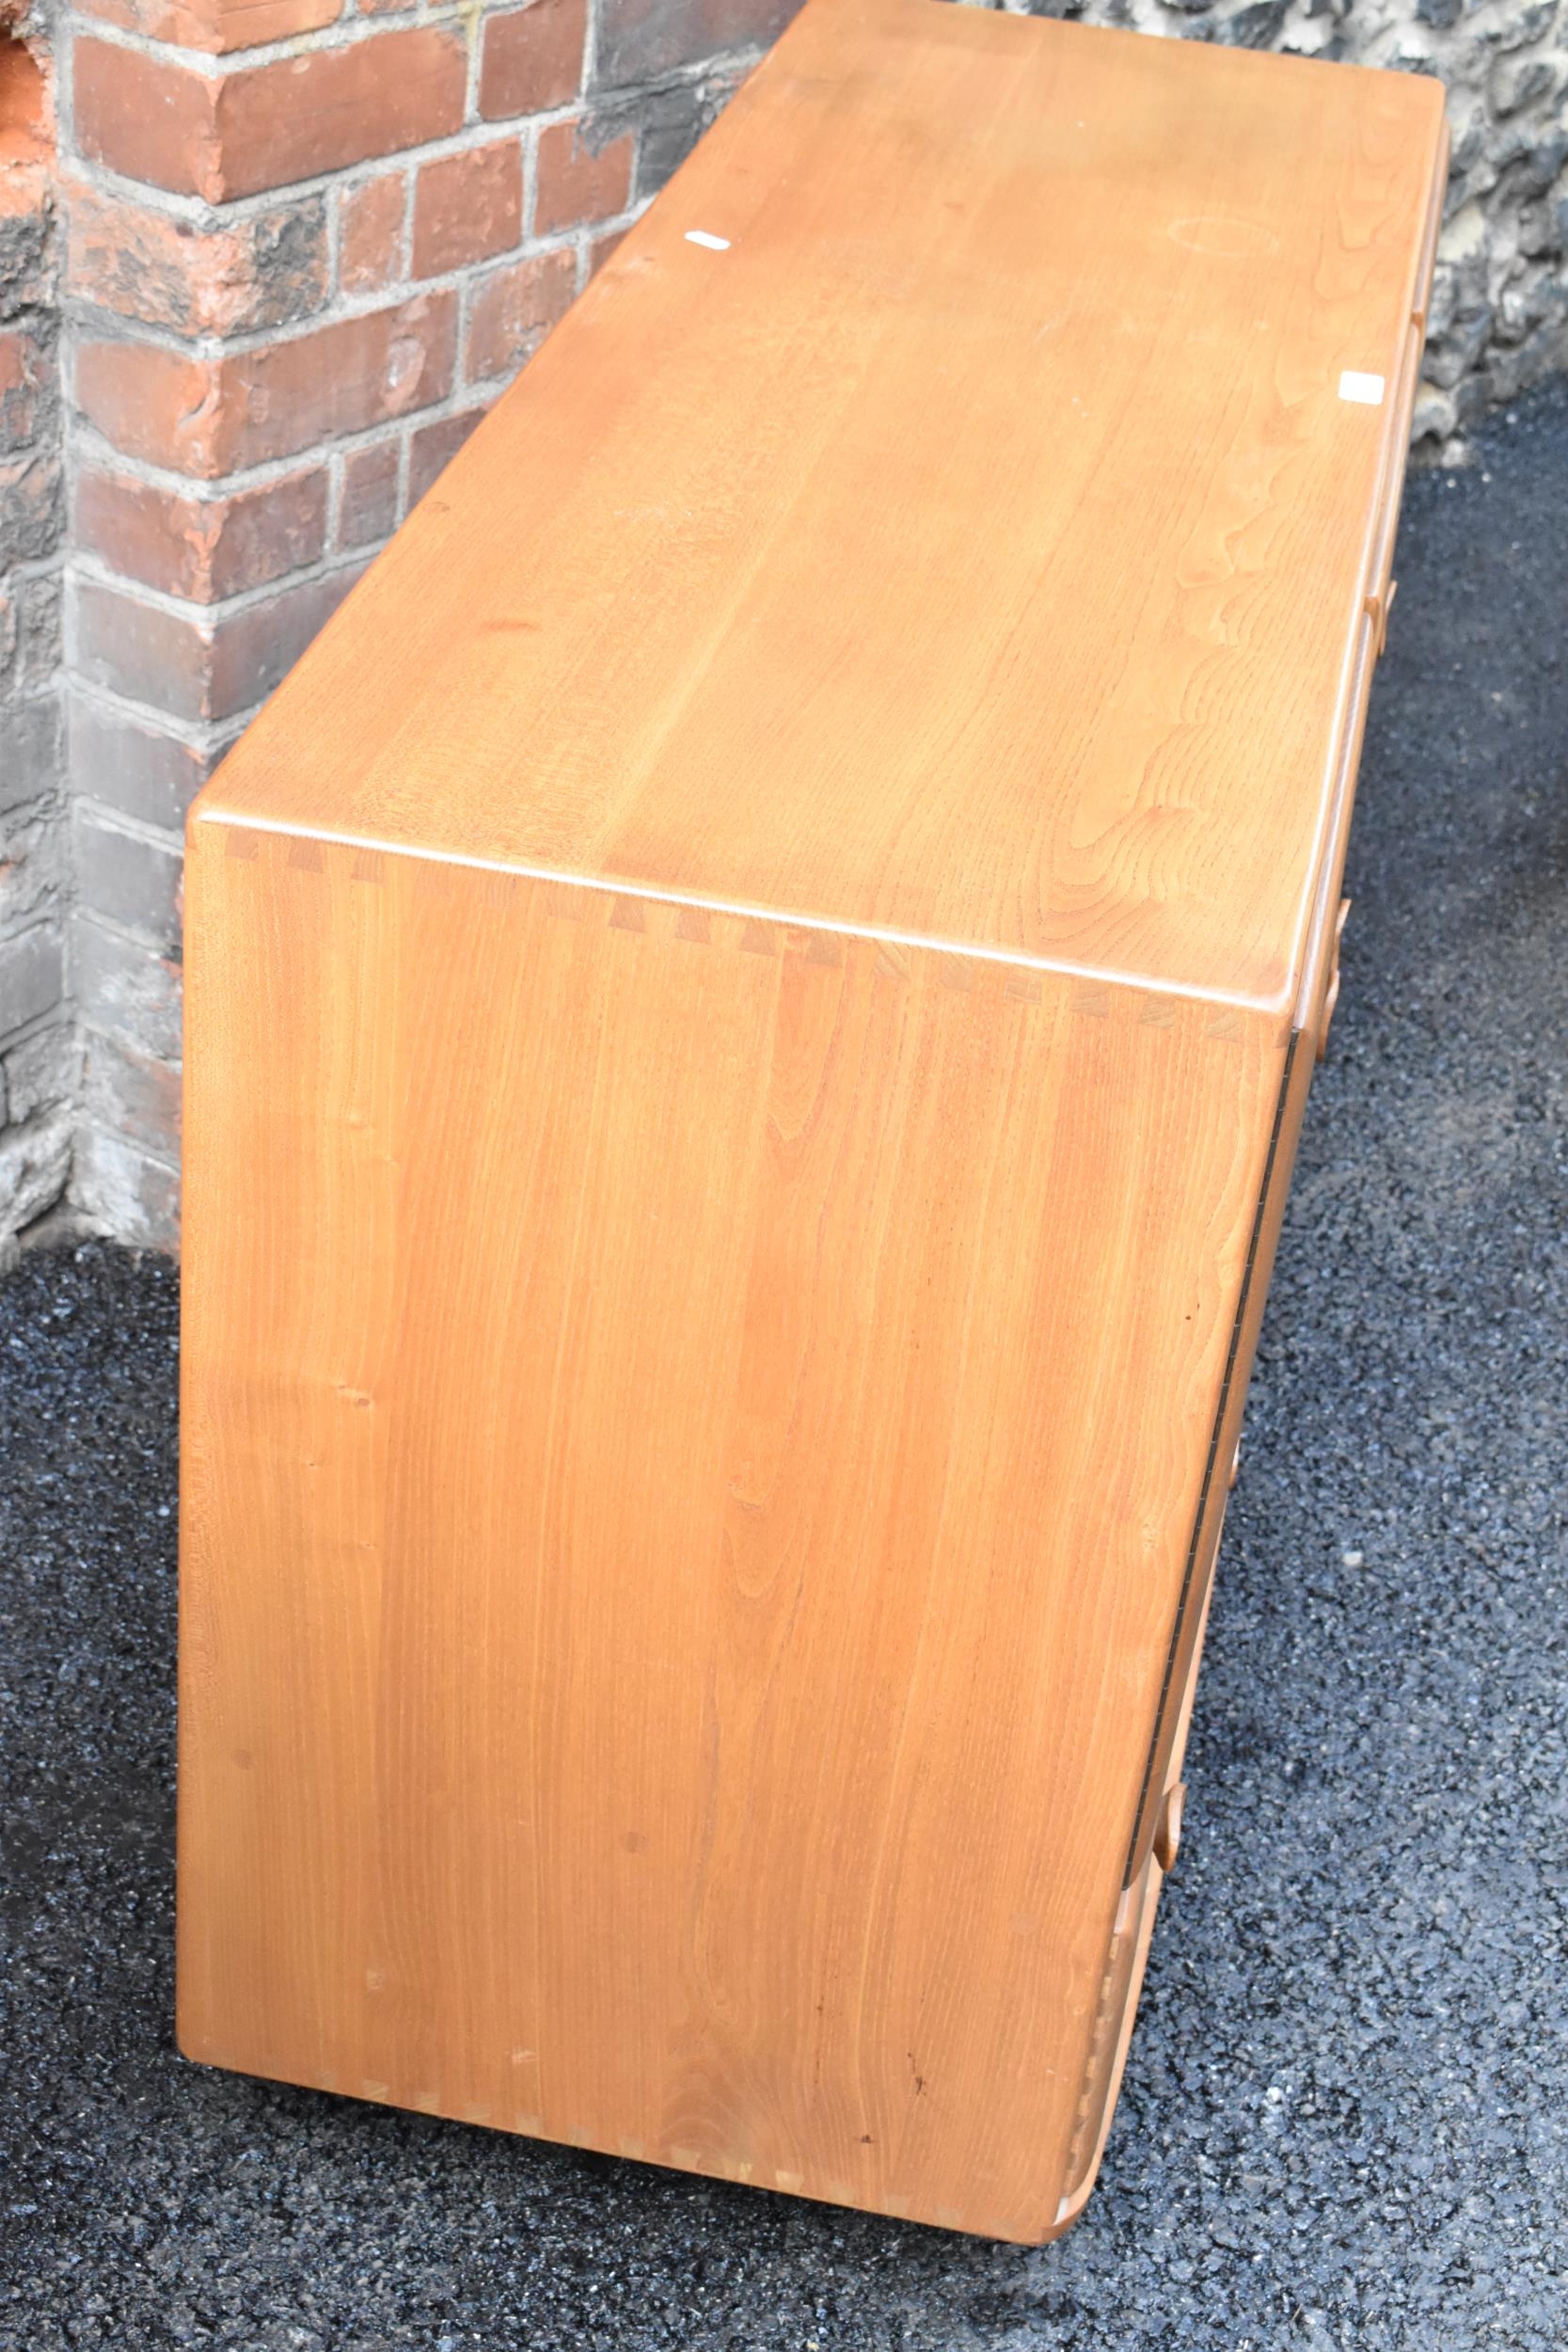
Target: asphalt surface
pixel 1345 2120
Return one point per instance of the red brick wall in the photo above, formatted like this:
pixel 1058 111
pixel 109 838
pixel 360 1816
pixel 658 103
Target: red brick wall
pixel 309 243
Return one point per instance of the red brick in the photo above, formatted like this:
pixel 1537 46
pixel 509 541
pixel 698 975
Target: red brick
pixel 26 115
pixel 434 446
pixel 133 766
pixel 133 1095
pixel 369 511
pixel 149 118
pixel 151 265
pixel 578 181
pixel 25 175
pixel 202 548
pixel 468 207
pixel 29 749
pixel 143 652
pixel 532 58
pixel 601 250
pixel 26 170
pixel 512 311
pixel 160 406
pixel 266 125
pixel 334 107
pixel 213 417
pixel 127 879
pixel 125 990
pixel 369 234
pixel 339 379
pixel 27 386
pixel 254 649
pixel 215 27
pixel 193 665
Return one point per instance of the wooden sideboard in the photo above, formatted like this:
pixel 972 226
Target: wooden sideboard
pixel 750 1003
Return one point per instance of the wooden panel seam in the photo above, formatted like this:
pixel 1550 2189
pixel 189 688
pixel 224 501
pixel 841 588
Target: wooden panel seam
pixel 1314 969
pixel 1142 1817
pixel 1011 958
pixel 1391 486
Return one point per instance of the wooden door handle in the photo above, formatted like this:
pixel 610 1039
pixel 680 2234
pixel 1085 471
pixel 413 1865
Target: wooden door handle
pixel 1167 1838
pixel 1331 993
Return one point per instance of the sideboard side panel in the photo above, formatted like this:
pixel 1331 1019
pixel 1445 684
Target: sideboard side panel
pixel 691 1430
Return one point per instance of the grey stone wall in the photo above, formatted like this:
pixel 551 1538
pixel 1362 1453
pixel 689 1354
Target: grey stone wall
pixel 38 1062
pixel 1499 313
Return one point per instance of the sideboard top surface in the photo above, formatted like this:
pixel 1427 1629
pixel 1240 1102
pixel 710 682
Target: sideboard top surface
pixel 971 549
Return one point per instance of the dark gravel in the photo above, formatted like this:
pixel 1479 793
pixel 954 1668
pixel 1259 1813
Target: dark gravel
pixel 1345 2114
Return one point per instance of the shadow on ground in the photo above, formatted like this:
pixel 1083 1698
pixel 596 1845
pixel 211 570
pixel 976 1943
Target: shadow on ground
pixel 1345 2122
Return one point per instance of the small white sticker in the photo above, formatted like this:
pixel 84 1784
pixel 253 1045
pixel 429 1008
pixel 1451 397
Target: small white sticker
pixel 722 245
pixel 1368 389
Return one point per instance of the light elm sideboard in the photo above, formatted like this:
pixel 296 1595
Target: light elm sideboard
pixel 750 1004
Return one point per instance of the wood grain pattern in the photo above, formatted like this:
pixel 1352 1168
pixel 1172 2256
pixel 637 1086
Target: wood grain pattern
pixel 680 1545
pixel 970 551
pixel 749 1007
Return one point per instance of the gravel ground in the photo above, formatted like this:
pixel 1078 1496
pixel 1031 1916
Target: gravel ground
pixel 1346 2110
